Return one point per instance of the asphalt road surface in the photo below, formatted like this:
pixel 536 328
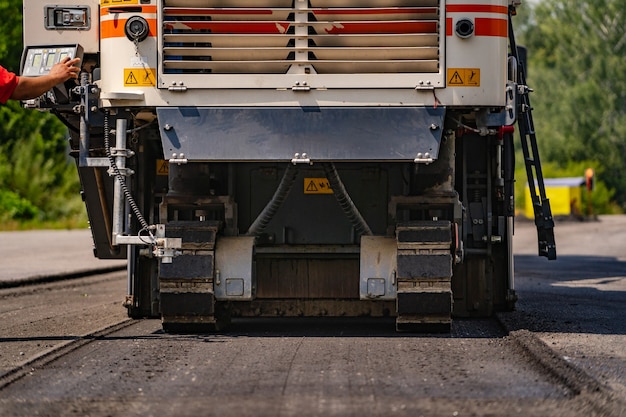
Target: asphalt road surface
pixel 561 353
pixel 43 255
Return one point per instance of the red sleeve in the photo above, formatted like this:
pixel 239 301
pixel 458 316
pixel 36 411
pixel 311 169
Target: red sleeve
pixel 8 82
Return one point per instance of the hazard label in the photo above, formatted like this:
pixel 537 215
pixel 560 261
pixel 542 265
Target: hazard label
pixel 162 167
pixel 139 77
pixel 464 77
pixel 116 2
pixel 317 186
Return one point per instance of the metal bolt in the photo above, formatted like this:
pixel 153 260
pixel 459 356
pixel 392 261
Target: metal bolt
pixel 167 127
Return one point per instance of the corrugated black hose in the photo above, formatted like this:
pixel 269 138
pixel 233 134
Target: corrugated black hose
pixel 262 220
pixel 344 200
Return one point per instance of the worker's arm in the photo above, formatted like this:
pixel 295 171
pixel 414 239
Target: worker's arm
pixel 31 87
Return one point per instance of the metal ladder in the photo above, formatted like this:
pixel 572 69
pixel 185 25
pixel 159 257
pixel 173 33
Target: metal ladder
pixel 541 204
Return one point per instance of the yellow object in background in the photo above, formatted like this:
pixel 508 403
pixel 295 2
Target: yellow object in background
pixel 564 195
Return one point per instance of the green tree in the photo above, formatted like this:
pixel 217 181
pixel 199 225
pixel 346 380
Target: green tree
pixel 11 34
pixel 578 71
pixel 38 182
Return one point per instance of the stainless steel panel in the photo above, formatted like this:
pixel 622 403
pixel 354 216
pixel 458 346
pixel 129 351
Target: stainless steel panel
pixel 323 134
pixel 234 276
pixel 378 268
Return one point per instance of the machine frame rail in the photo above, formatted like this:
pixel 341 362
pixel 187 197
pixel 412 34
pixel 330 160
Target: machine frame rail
pixel 541 204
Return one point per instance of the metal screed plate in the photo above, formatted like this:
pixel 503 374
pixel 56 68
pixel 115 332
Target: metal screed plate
pixel 278 134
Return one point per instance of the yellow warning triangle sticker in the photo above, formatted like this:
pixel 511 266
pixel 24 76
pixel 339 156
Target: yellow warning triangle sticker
pixel 311 187
pixel 456 79
pixel 163 167
pixel 131 79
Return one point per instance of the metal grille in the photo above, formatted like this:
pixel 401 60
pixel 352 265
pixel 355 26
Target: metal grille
pixel 300 36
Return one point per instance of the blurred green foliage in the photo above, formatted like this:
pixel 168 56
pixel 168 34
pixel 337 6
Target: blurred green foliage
pixel 11 34
pixel 576 51
pixel 39 185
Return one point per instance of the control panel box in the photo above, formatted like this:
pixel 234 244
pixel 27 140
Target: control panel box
pixel 37 60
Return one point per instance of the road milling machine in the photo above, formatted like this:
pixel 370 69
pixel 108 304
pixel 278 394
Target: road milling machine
pixel 297 157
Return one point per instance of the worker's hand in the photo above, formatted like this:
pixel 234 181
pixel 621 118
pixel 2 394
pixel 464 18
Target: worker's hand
pixel 31 87
pixel 64 70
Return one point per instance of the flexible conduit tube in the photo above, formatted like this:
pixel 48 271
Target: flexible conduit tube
pixel 262 220
pixel 344 200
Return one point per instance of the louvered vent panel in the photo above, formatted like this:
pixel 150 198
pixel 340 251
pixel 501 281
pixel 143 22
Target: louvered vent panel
pixel 324 36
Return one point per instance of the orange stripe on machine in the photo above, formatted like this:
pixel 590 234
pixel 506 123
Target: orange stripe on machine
pixel 118 9
pixel 476 8
pixel 491 27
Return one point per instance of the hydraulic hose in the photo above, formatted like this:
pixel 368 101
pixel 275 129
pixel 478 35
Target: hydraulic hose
pixel 262 220
pixel 344 200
